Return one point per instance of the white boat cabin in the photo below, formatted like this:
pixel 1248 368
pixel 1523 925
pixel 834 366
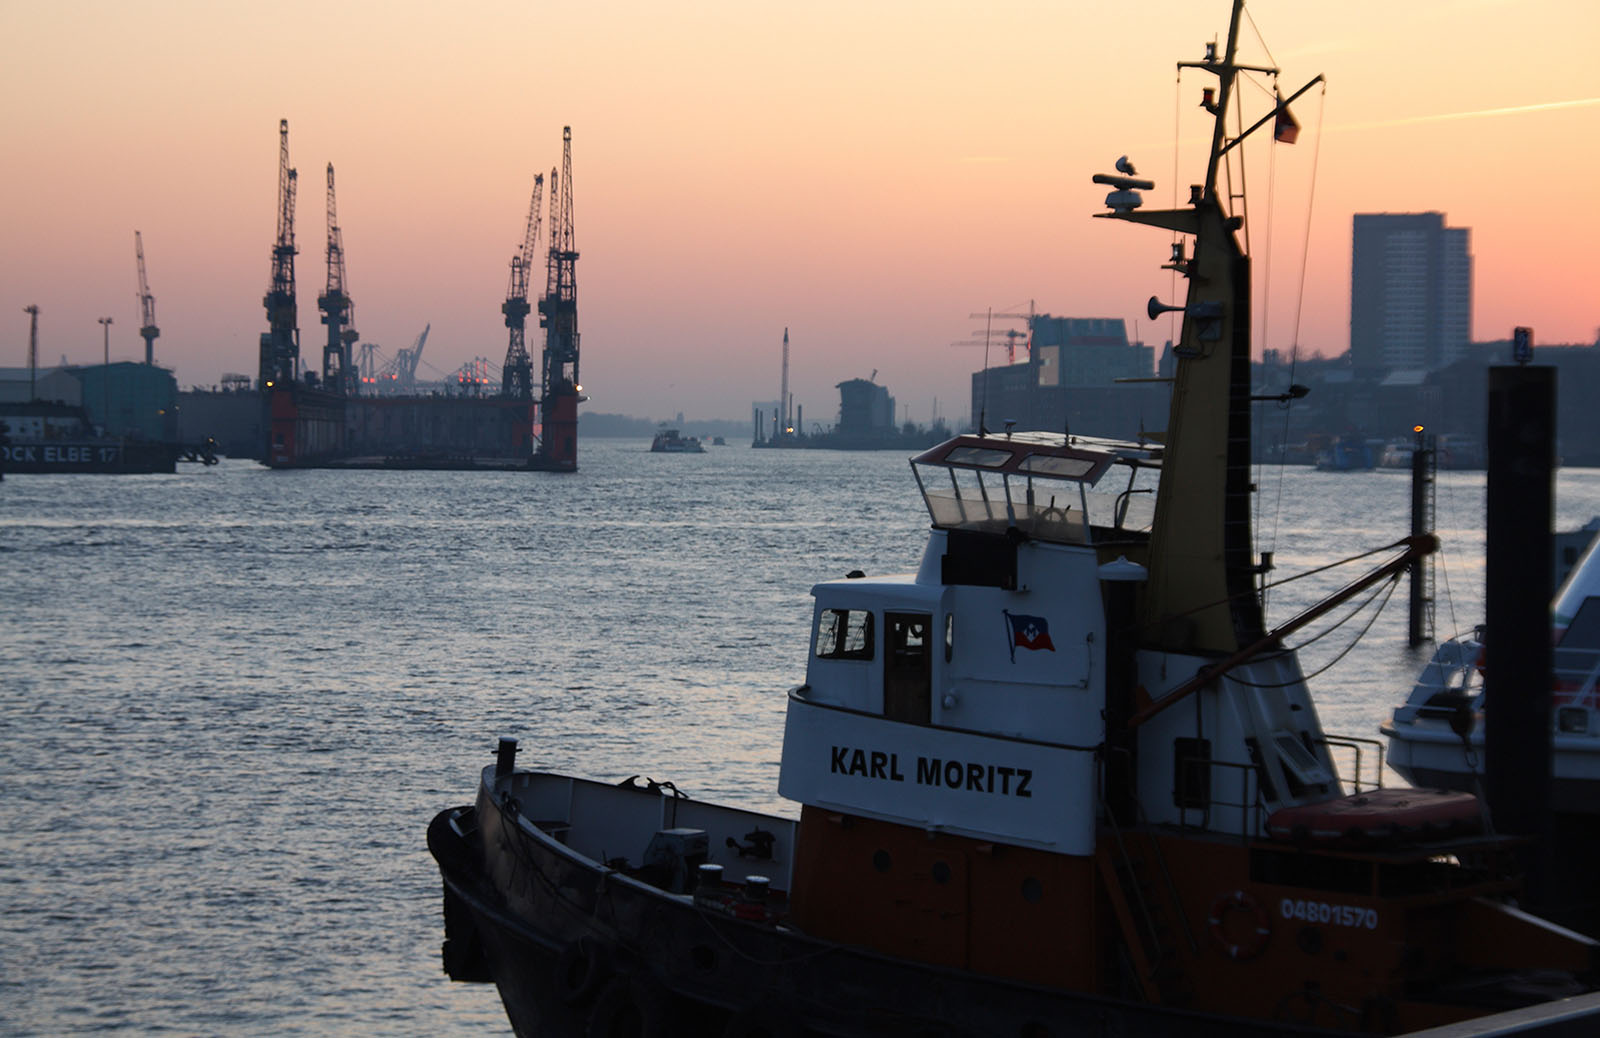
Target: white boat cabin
pixel 971 698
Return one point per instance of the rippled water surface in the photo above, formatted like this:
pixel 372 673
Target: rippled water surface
pixel 231 699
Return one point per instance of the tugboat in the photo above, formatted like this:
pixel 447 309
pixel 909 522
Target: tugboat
pixel 670 441
pixel 1060 781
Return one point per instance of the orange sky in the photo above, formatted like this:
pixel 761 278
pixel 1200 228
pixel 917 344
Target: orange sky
pixel 866 174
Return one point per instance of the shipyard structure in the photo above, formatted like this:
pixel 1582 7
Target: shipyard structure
pixel 337 416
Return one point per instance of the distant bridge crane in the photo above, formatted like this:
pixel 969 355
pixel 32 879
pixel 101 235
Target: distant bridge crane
pixel 337 311
pixel 147 305
pixel 399 373
pixel 558 314
pixel 280 344
pixel 408 359
pixel 517 371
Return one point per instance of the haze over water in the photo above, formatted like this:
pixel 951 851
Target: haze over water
pixel 231 699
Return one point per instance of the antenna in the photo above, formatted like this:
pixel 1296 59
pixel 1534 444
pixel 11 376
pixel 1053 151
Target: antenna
pixel 983 403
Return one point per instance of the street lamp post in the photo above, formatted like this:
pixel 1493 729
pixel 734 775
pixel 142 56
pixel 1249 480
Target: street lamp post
pixel 105 371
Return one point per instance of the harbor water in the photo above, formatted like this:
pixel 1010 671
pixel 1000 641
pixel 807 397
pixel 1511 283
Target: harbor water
pixel 231 699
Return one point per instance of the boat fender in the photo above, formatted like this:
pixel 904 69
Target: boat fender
pixel 585 966
pixel 630 1007
pixel 1260 925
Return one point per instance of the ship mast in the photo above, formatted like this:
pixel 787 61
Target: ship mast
pixel 1202 596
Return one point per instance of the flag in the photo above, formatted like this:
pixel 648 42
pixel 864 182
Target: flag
pixel 1029 632
pixel 1284 128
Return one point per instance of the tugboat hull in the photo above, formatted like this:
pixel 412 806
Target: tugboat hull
pixel 576 947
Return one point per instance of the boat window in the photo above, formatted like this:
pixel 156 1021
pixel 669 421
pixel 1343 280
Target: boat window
pixel 986 457
pixel 1301 766
pixel 949 636
pixel 1049 497
pixel 1053 465
pixel 844 634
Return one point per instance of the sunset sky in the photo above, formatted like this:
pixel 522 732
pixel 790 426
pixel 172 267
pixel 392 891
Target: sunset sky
pixel 864 173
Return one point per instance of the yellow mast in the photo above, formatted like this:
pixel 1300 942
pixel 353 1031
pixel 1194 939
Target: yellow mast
pixel 1201 595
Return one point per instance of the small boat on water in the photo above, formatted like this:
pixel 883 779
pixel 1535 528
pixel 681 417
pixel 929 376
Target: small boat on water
pixel 668 441
pixel 1436 738
pixel 1062 780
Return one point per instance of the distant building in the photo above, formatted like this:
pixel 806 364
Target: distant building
pixel 1086 351
pixel 1410 292
pixel 1070 380
pixel 125 399
pixel 864 407
pixel 56 385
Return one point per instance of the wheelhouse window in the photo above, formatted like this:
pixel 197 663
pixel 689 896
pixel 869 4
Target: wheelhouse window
pixel 1051 488
pixel 844 634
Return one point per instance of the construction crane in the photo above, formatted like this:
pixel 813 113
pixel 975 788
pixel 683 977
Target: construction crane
pixel 558 316
pixel 517 372
pixel 280 344
pixel 147 305
pixel 337 311
pixel 1012 335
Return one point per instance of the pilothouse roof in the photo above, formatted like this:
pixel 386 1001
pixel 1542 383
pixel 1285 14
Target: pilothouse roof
pixel 1083 458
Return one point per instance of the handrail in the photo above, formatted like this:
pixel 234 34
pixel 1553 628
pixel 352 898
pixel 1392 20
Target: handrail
pixel 1355 742
pixel 1246 805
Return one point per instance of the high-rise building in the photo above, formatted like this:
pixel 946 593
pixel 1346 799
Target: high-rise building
pixel 1410 291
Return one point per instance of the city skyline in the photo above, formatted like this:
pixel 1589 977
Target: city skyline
pixel 865 176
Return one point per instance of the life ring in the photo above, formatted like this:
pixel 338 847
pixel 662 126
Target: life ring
pixel 584 966
pixel 1260 925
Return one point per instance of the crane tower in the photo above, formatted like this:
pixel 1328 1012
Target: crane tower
pixel 337 310
pixel 516 374
pixel 280 344
pixel 560 388
pixel 147 305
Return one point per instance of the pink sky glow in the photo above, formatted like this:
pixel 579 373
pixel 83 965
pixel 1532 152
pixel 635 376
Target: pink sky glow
pixel 865 174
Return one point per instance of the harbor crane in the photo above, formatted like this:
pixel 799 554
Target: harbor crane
pixel 399 373
pixel 147 305
pixel 517 371
pixel 560 387
pixel 338 375
pixel 280 344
